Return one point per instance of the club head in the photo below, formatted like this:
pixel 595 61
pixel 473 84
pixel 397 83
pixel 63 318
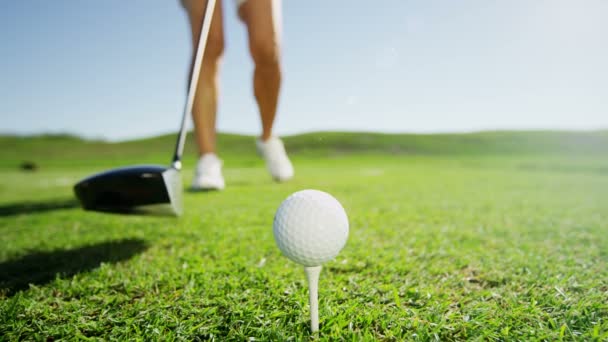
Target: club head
pixel 144 189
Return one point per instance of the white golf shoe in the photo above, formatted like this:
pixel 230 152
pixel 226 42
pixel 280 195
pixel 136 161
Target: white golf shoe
pixel 277 162
pixel 208 173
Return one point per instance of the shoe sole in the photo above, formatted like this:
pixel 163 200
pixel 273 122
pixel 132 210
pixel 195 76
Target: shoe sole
pixel 206 187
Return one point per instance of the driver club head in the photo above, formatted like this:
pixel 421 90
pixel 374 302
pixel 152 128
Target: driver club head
pixel 143 189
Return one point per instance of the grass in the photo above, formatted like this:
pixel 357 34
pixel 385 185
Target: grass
pixel 488 236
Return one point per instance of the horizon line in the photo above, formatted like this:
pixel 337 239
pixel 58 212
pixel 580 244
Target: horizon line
pixel 307 132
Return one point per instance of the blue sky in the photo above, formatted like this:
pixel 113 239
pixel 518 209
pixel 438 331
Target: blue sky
pixel 116 69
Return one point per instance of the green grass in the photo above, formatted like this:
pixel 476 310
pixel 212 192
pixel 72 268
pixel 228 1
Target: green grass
pixel 487 236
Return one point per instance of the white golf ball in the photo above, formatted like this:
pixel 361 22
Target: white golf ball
pixel 310 227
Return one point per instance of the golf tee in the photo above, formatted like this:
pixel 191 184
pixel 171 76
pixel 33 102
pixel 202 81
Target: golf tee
pixel 312 276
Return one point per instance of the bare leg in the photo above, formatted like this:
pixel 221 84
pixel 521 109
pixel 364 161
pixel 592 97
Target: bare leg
pixel 262 18
pixel 205 102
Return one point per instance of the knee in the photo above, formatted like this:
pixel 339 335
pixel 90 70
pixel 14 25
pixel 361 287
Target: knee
pixel 211 61
pixel 265 53
pixel 214 49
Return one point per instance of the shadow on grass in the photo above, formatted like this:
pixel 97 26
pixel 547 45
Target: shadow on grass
pixel 29 207
pixel 201 191
pixel 42 267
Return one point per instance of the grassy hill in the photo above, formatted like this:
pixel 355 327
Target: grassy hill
pixel 67 150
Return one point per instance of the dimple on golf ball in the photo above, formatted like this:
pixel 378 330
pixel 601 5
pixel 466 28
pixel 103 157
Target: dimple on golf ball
pixel 310 227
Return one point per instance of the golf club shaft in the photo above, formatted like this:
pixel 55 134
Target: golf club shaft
pixel 312 275
pixel 196 70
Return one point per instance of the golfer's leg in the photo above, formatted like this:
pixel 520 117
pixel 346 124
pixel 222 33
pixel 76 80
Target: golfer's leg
pixel 263 21
pixel 205 102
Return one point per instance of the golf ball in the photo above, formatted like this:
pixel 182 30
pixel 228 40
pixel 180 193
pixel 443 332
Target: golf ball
pixel 310 227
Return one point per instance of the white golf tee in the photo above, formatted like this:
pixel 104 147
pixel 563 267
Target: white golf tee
pixel 312 275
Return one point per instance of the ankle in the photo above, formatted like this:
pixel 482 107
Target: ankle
pixel 265 136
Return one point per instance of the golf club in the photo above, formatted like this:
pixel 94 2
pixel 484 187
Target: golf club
pixel 147 189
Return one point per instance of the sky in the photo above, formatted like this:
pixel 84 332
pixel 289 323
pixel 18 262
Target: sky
pixel 117 69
